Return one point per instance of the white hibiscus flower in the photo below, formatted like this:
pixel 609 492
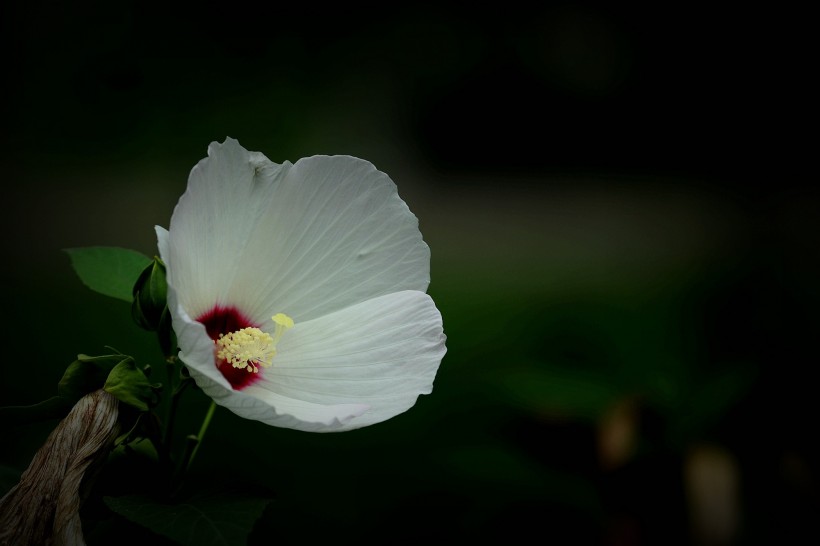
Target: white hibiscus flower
pixel 297 291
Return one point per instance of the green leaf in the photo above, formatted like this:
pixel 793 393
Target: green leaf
pixel 221 518
pixel 111 271
pixel 85 375
pixel 142 447
pixel 129 384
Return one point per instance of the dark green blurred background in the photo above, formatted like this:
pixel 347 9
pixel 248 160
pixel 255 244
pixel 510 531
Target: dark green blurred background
pixel 624 250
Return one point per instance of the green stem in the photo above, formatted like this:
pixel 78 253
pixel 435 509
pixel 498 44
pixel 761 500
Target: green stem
pixel 202 430
pixel 191 447
pixel 172 374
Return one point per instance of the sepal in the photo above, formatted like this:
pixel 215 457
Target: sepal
pixel 150 294
pixel 118 374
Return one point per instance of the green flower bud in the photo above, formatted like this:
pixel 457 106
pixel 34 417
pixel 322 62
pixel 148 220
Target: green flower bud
pixel 150 292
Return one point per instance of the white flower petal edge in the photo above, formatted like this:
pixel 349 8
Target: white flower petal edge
pixel 383 352
pixel 304 239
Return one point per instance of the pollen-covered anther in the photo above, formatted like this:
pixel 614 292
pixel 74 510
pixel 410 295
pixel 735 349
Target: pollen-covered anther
pixel 250 348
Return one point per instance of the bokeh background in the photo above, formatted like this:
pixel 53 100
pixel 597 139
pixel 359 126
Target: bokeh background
pixel 624 243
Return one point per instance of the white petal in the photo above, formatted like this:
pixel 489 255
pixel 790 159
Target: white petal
pixel 197 352
pixel 162 242
pixel 281 411
pixel 305 239
pixel 384 352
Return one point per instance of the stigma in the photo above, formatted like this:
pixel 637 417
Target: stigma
pixel 251 348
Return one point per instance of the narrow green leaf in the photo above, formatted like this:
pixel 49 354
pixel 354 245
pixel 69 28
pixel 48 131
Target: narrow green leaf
pixel 211 519
pixel 111 271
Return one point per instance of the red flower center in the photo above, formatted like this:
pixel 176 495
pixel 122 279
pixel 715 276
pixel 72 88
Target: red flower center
pixel 224 320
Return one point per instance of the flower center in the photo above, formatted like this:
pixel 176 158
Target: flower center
pixel 249 348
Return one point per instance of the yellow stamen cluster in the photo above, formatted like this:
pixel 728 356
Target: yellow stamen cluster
pixel 250 348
